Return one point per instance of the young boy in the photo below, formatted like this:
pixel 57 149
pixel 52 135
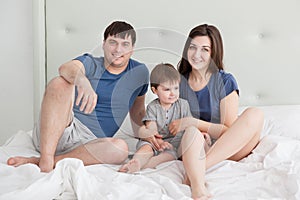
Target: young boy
pixel 157 144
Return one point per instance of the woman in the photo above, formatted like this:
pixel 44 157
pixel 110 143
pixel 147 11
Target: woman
pixel 213 97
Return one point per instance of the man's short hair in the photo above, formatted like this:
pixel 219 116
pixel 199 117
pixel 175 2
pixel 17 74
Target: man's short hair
pixel 120 29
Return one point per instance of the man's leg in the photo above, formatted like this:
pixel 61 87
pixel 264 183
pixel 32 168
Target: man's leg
pixel 98 151
pixel 55 116
pixel 56 112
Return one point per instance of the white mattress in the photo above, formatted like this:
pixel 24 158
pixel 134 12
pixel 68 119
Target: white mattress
pixel 272 171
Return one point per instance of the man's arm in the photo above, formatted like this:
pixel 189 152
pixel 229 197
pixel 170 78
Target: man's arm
pixel 137 112
pixel 74 73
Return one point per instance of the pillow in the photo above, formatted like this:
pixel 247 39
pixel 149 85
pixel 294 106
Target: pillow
pixel 283 120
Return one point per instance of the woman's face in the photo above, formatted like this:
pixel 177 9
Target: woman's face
pixel 199 52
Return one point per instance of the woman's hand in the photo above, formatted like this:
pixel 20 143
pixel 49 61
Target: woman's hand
pixel 179 125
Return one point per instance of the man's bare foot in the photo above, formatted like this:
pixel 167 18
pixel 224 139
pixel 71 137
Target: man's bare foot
pixel 132 166
pixel 46 163
pixel 19 160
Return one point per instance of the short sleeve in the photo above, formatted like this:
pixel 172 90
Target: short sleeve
pixel 88 63
pixel 144 72
pixel 230 85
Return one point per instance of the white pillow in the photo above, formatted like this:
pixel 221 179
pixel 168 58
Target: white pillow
pixel 283 120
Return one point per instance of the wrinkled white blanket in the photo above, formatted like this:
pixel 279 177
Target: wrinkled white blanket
pixel 272 171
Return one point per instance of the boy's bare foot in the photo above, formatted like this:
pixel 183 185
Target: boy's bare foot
pixel 132 166
pixel 19 160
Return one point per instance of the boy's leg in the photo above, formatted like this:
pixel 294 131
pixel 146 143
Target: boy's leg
pixel 139 160
pixel 156 160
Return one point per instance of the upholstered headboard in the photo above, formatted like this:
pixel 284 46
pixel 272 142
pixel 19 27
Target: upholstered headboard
pixel 262 38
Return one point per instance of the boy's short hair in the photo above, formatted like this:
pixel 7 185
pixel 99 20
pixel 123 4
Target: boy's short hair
pixel 120 29
pixel 163 72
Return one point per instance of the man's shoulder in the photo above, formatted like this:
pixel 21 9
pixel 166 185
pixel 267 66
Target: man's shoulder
pixel 135 63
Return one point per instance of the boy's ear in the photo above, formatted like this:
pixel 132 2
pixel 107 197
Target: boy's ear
pixel 153 89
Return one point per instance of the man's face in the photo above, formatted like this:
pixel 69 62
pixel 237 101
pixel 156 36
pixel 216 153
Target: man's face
pixel 117 51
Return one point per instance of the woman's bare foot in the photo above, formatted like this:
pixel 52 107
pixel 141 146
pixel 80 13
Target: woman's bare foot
pixel 200 193
pixel 132 166
pixel 19 160
pixel 202 198
pixel 186 180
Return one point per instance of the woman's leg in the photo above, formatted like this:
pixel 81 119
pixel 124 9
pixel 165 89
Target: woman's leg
pixel 239 140
pixel 194 161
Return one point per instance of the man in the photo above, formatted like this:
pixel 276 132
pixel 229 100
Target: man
pixel 85 106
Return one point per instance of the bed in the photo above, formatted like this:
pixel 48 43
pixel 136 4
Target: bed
pixel 272 171
pixel 255 43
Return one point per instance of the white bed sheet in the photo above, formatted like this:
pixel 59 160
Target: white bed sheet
pixel 272 171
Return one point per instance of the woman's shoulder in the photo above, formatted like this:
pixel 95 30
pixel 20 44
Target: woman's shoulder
pixel 226 76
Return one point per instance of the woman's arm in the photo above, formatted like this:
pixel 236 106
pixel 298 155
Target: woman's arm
pixel 229 109
pixel 214 130
pixel 228 114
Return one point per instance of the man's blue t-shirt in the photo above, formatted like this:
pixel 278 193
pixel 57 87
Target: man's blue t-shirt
pixel 116 94
pixel 205 103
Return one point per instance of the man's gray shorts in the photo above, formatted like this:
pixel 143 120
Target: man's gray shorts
pixel 74 135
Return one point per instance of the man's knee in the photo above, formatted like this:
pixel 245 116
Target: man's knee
pixel 59 85
pixel 121 150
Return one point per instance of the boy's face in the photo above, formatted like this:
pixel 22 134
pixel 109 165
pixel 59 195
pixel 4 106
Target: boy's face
pixel 167 92
pixel 117 51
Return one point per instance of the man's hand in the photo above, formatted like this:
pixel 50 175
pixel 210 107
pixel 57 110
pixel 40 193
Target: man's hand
pixel 158 143
pixel 74 72
pixel 154 141
pixel 164 145
pixel 87 98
